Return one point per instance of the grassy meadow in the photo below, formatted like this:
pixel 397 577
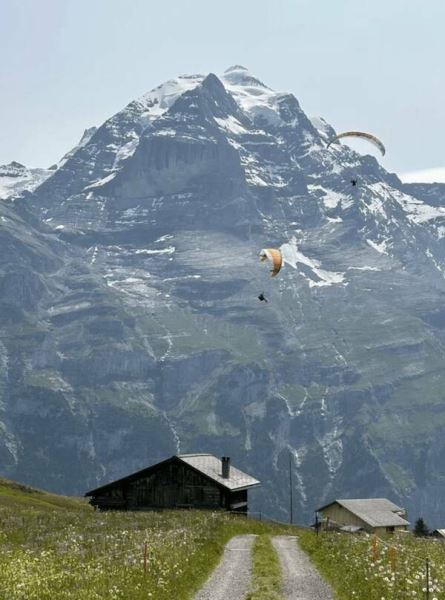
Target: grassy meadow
pixel 363 568
pixel 55 547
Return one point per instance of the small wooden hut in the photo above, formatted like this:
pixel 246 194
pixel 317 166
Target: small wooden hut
pixel 374 515
pixel 182 481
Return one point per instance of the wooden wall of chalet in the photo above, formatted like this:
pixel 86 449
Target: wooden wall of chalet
pixel 171 485
pixel 342 516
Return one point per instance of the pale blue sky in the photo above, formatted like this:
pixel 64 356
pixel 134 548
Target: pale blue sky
pixel 375 65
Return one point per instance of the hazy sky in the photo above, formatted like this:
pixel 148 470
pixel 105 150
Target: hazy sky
pixel 376 65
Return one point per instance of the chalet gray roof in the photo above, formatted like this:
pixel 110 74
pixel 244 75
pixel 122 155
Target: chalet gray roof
pixel 207 464
pixel 210 465
pixel 375 512
pixel 440 532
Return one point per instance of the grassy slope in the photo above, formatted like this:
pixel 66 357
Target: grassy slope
pixel 356 571
pixel 22 497
pixel 53 546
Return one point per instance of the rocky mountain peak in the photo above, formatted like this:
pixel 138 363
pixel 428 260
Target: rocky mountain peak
pixel 210 100
pixel 87 135
pixel 16 178
pixel 12 169
pixel 235 68
pixel 161 98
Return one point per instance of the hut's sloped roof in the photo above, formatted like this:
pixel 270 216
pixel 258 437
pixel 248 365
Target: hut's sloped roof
pixel 375 512
pixel 210 465
pixel 440 532
pixel 207 464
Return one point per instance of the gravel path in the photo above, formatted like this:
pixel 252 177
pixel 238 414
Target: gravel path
pixel 301 580
pixel 231 578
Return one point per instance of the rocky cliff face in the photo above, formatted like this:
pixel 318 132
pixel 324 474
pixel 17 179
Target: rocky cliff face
pixel 131 327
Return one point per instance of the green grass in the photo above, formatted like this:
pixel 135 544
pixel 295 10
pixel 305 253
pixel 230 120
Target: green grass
pixel 356 572
pixel 23 497
pixel 266 572
pixel 57 547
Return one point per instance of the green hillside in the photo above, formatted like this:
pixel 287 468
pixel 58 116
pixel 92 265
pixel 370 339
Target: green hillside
pixel 21 497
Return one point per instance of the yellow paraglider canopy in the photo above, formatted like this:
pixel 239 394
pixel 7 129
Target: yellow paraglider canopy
pixel 273 255
pixel 360 134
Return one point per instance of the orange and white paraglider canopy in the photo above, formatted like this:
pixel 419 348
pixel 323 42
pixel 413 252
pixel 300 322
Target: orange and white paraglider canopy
pixel 360 134
pixel 273 255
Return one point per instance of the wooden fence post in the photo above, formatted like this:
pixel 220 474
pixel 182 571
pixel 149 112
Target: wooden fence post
pixel 427 569
pixel 392 558
pixel 145 556
pixel 374 548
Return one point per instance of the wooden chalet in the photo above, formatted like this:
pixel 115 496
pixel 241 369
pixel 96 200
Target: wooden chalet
pixel 182 481
pixel 374 515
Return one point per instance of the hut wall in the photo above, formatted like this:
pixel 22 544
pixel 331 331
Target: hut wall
pixel 174 485
pixel 340 515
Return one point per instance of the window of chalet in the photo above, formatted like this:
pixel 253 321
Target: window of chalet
pixel 390 529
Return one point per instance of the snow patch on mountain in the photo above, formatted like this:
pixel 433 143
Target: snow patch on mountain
pixel 101 182
pixel 156 102
pixel 231 125
pixel 380 247
pixel 325 130
pixel 331 199
pixel 364 268
pixel 168 250
pixel 256 99
pixel 126 151
pixel 316 276
pixel 418 211
pixel 438 266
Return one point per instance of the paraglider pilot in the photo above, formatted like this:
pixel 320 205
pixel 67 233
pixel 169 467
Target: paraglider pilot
pixel 262 298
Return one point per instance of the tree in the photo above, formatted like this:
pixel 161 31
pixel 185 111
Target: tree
pixel 420 528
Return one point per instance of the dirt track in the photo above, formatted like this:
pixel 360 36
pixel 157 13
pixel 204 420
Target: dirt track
pixel 231 578
pixel 301 580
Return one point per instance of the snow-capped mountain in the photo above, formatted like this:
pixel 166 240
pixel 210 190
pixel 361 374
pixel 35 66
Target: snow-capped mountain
pixel 15 178
pixel 133 275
